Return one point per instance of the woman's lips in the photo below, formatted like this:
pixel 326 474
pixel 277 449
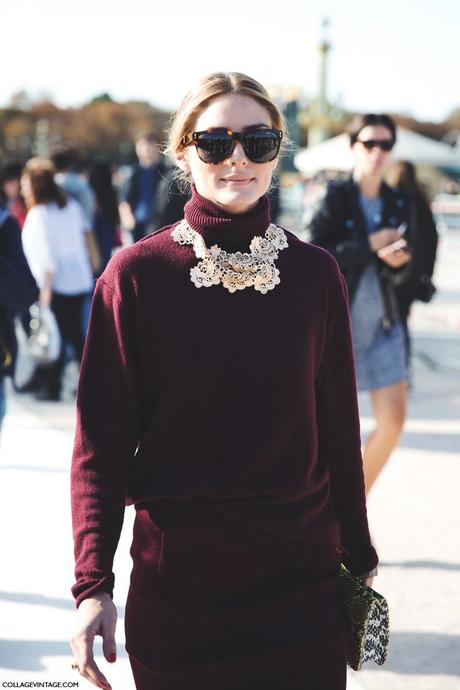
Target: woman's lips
pixel 237 181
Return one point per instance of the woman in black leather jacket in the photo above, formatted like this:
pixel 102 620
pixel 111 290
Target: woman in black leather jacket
pixel 361 221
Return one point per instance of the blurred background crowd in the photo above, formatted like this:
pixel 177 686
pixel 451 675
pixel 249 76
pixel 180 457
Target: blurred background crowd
pixel 94 178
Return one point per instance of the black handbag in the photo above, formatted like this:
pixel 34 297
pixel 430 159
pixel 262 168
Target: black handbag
pixel 366 618
pixel 425 288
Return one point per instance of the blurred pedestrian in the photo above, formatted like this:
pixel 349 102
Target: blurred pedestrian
pixel 106 217
pixel 55 247
pixel 228 416
pixel 415 281
pixel 151 197
pixel 67 162
pixel 17 292
pixel 361 221
pixel 10 194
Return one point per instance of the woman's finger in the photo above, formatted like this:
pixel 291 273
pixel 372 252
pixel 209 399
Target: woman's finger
pixel 91 672
pixel 109 646
pixel 82 646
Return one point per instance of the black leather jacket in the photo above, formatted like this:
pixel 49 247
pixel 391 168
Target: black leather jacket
pixel 339 226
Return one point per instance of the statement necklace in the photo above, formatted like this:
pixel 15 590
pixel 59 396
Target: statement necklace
pixel 236 270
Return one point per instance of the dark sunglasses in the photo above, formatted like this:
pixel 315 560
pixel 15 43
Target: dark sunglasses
pixel 215 145
pixel 383 144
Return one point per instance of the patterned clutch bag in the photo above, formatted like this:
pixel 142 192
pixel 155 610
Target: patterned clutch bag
pixel 367 623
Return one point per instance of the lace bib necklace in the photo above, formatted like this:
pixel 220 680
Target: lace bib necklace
pixel 235 270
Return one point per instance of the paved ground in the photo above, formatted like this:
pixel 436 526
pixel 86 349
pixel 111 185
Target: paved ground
pixel 413 512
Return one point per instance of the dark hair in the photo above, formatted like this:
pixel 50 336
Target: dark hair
pixel 100 179
pixel 151 137
pixel 66 157
pixel 11 171
pixel 40 172
pixel 370 119
pixel 403 174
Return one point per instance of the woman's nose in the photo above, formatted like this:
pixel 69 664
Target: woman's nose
pixel 238 155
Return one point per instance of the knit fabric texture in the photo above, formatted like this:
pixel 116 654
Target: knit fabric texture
pixel 246 401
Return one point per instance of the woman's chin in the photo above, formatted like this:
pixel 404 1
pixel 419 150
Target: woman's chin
pixel 238 200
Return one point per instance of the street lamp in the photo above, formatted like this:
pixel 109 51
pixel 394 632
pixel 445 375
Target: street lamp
pixel 319 131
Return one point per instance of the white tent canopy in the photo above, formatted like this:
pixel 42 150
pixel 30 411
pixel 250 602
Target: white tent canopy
pixel 335 153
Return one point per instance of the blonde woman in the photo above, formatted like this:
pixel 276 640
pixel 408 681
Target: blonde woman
pixel 217 395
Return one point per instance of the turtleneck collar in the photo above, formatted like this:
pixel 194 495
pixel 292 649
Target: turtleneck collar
pixel 218 226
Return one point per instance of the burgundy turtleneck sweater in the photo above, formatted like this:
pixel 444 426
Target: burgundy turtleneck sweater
pixel 244 400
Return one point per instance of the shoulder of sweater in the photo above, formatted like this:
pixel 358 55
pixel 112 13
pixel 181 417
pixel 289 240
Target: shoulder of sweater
pixel 155 249
pixel 320 259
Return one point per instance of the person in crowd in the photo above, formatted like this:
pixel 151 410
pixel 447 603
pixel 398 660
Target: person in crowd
pixel 106 218
pixel 151 196
pixel 415 282
pixel 274 199
pixel 226 412
pixel 361 221
pixel 55 246
pixel 67 162
pixel 17 292
pixel 10 194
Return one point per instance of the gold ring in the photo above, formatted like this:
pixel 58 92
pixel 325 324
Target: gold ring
pixel 75 667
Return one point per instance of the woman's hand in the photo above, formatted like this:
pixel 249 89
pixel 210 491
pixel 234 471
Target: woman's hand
pixel 383 237
pixel 128 220
pixel 396 254
pixel 96 615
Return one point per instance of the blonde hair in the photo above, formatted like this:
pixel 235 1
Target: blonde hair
pixel 207 89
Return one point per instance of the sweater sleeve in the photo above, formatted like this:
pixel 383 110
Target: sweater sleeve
pixel 339 434
pixel 106 439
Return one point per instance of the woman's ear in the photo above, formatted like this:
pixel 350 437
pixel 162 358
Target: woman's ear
pixel 182 162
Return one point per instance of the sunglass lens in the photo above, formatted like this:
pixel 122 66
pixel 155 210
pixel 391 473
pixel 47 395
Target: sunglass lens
pixel 384 144
pixel 261 146
pixel 214 147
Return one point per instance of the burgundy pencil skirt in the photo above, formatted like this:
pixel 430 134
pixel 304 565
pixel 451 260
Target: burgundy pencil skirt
pixel 213 605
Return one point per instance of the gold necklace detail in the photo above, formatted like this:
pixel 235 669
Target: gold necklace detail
pixel 235 270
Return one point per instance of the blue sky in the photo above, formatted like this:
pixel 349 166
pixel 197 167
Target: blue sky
pixel 396 56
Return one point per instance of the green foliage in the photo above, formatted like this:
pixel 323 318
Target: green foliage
pixel 102 98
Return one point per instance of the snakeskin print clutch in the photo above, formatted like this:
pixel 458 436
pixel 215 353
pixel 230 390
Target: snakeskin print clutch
pixel 367 623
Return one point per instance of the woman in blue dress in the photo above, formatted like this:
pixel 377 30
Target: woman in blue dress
pixel 361 221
